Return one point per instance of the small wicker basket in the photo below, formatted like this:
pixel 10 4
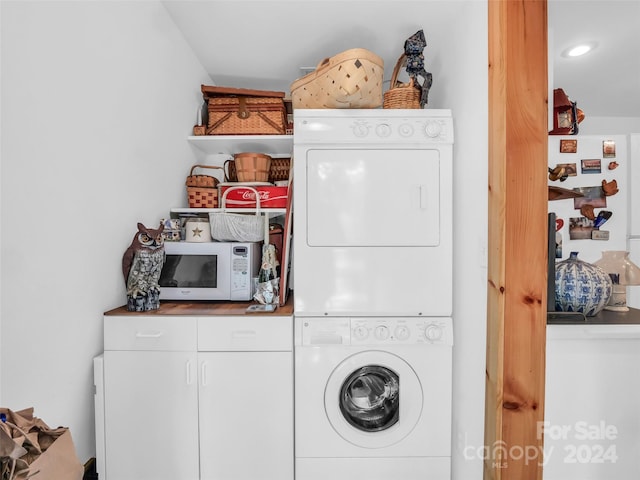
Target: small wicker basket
pixel 351 79
pixel 252 167
pixel 402 95
pixel 202 191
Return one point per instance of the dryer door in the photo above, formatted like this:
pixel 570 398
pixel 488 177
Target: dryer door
pixel 373 197
pixel 373 399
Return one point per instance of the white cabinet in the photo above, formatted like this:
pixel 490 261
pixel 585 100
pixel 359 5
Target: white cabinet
pixel 197 398
pixel 151 398
pixel 246 416
pixel 246 398
pixel 151 416
pixel 592 427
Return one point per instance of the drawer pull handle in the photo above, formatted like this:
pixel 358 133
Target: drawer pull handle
pixel 244 334
pixel 156 334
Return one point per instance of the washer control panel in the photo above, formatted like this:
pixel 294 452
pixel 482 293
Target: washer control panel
pixel 377 331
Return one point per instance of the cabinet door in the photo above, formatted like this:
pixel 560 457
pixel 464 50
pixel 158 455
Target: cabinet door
pixel 592 427
pixel 246 416
pixel 151 415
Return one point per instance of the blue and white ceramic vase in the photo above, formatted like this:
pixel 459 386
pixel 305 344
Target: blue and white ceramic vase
pixel 581 286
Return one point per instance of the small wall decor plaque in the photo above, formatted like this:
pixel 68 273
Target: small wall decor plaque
pixel 608 149
pixel 591 195
pixel 580 228
pixel 591 165
pixel 568 146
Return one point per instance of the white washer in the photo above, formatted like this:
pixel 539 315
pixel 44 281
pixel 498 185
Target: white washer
pixel 373 398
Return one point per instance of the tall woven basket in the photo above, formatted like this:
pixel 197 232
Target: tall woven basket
pixel 351 79
pixel 252 167
pixel 401 95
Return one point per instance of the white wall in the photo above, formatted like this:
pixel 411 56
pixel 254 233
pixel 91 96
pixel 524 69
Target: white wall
pixel 96 104
pixel 608 125
pixel 466 94
pixel 97 101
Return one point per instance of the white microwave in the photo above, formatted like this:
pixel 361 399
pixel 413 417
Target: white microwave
pixel 210 270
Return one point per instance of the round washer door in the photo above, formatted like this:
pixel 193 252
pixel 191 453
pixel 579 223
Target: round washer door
pixel 373 399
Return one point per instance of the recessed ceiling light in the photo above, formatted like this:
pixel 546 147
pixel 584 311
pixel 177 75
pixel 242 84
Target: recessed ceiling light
pixel 578 50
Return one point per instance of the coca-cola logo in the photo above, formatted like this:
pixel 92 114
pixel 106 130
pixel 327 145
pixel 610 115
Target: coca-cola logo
pixel 249 195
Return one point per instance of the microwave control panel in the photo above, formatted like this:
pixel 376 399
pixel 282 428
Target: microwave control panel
pixel 244 266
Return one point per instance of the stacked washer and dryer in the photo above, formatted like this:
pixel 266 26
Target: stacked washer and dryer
pixel 373 294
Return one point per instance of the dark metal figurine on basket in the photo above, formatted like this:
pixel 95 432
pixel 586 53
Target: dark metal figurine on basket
pixel 414 94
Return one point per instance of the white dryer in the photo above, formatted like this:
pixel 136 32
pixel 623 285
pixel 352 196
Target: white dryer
pixel 373 398
pixel 373 212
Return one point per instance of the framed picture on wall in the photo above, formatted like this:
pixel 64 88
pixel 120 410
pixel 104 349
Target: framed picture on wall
pixel 568 146
pixel 608 149
pixel 580 228
pixel 591 165
pixel 593 196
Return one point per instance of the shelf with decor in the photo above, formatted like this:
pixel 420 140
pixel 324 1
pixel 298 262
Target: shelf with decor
pixel 201 200
pixel 230 144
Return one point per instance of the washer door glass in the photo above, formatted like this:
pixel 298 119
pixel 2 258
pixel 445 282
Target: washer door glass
pixel 362 399
pixel 370 398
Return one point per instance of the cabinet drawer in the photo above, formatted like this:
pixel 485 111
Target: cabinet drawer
pixel 150 333
pixel 256 333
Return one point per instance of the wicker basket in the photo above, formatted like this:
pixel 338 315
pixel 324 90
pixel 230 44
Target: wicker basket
pixel 238 227
pixel 238 111
pixel 401 95
pixel 278 170
pixel 252 167
pixel 351 79
pixel 202 191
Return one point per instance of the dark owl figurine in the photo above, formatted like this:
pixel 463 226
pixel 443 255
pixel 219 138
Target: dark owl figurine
pixel 141 266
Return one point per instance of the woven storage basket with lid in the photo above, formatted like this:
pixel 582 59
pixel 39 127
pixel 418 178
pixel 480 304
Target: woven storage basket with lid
pixel 402 95
pixel 241 111
pixel 351 79
pixel 202 191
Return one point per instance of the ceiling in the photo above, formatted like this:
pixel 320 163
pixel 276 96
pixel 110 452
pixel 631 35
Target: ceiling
pixel 606 81
pixel 235 40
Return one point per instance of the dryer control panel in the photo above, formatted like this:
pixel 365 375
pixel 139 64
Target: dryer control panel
pixel 376 331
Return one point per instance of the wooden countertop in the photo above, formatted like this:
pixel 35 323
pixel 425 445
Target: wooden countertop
pixel 204 308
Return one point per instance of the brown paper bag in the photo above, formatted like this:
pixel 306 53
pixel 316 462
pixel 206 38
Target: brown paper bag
pixel 30 449
pixel 58 462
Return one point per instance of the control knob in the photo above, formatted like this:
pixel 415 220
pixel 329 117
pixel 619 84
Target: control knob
pixel 433 129
pixel 433 332
pixel 402 332
pixel 381 332
pixel 405 130
pixel 361 332
pixel 383 130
